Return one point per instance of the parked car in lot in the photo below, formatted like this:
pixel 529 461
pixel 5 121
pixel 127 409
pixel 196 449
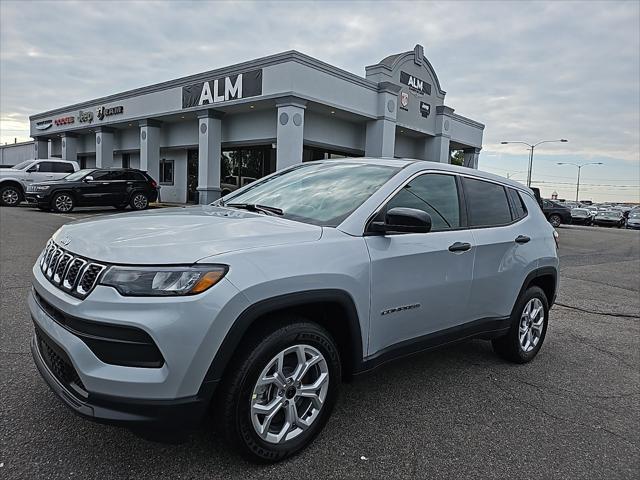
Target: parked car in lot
pixel 257 305
pixel 118 187
pixel 634 219
pixel 611 218
pixel 556 214
pixel 14 180
pixel 581 216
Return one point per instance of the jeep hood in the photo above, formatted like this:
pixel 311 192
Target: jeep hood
pixel 179 235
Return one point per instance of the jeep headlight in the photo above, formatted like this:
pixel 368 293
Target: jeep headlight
pixel 163 281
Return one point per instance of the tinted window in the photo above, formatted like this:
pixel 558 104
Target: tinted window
pixel 166 172
pixel 62 167
pixel 435 194
pixel 102 175
pixel 519 210
pixel 117 175
pixel 134 176
pixel 487 203
pixel 47 167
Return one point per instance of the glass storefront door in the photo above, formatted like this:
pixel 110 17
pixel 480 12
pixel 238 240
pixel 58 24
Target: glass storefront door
pixel 241 166
pixel 192 176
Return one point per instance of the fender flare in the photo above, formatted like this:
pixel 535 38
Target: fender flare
pixel 248 317
pixel 536 273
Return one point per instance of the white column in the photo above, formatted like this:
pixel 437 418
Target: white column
pixel 471 156
pixel 381 138
pixel 290 132
pixel 104 148
pixel 41 148
pixel 69 147
pixel 150 148
pixel 381 133
pixel 209 155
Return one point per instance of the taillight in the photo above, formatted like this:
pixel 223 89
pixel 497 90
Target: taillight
pixel 154 184
pixel 556 237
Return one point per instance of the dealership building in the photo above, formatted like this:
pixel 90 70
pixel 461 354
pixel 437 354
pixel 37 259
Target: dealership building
pixel 204 135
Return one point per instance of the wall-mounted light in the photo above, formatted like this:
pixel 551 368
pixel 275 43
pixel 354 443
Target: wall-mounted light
pixel 333 112
pixel 252 106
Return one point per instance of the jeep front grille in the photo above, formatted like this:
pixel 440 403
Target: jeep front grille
pixel 69 272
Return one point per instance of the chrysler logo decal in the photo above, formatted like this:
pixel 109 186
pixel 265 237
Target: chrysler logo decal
pixel 44 124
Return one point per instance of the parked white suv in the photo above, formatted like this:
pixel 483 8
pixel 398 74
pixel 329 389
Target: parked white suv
pixel 257 306
pixel 14 180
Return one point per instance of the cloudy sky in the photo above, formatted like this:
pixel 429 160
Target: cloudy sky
pixel 529 71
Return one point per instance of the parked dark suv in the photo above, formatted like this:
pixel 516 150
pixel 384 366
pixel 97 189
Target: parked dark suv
pixel 556 213
pixel 93 187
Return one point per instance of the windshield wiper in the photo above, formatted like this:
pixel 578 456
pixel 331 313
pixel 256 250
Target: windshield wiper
pixel 254 207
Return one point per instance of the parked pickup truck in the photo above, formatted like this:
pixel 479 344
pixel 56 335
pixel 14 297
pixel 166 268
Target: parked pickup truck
pixel 14 180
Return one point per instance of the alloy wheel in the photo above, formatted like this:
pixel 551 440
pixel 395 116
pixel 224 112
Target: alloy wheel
pixel 289 394
pixel 140 201
pixel 10 197
pixel 555 220
pixel 531 325
pixel 63 203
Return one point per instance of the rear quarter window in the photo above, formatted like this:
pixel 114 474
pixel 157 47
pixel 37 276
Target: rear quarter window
pixel 518 209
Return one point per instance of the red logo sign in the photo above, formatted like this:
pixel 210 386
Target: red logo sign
pixel 64 121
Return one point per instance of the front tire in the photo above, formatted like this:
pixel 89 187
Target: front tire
pixel 529 322
pixel 139 201
pixel 10 196
pixel 62 202
pixel 555 220
pixel 280 390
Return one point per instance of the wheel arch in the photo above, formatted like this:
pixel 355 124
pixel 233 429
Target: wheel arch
pixel 13 183
pixel 333 309
pixel 544 277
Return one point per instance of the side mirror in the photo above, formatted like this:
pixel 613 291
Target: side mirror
pixel 405 220
pixel 88 178
pixel 35 168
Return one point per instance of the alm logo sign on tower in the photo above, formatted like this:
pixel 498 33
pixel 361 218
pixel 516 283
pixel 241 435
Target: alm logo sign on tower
pixel 415 84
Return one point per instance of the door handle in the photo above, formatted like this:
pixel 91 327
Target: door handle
pixel 522 239
pixel 459 247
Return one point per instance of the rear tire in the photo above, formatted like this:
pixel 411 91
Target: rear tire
pixel 62 202
pixel 139 201
pixel 529 322
pixel 10 196
pixel 289 398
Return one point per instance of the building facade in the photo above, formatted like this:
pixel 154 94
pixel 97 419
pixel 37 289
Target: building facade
pixel 207 134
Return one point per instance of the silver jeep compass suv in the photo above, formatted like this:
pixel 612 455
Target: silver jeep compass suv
pixel 257 306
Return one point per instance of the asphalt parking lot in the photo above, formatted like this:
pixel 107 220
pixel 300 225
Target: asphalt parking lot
pixel 461 412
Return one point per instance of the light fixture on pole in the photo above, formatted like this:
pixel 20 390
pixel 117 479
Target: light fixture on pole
pixel 579 168
pixel 531 148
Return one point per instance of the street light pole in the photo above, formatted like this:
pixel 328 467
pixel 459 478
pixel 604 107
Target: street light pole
pixel 579 169
pixel 531 148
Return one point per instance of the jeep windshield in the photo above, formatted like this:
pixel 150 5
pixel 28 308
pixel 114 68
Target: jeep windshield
pixel 318 193
pixel 23 166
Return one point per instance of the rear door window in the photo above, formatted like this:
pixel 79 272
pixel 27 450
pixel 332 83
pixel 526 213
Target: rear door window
pixel 62 167
pixel 487 203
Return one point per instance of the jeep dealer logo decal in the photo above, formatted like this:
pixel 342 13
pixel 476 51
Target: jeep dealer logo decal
pixel 416 85
pixel 232 87
pixel 44 124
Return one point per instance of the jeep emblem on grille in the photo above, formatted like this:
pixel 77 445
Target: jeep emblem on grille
pixel 65 241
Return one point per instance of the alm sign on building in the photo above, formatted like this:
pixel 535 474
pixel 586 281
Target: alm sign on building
pixel 232 87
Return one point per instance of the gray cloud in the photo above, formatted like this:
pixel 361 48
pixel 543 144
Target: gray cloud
pixel 528 71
